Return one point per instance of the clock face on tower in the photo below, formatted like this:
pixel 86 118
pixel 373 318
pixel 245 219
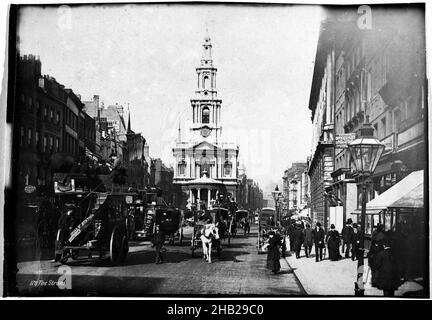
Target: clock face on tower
pixel 205 131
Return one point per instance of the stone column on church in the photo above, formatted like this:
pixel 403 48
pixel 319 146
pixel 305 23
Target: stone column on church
pixel 208 197
pixel 191 195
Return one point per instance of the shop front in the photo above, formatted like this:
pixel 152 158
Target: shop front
pixel 401 204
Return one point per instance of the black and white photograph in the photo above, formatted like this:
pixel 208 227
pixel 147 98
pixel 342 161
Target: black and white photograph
pixel 215 149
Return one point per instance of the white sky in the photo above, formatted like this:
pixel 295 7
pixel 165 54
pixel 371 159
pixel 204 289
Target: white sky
pixel 146 55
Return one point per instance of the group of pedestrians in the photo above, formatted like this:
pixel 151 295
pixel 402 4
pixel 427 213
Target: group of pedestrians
pixel 387 255
pixel 303 235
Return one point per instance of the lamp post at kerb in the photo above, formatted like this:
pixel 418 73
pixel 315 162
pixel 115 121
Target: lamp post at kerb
pixel 365 152
pixel 276 195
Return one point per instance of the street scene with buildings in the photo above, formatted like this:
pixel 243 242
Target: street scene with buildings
pixel 93 211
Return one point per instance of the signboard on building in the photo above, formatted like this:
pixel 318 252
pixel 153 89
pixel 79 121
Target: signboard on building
pixel 343 139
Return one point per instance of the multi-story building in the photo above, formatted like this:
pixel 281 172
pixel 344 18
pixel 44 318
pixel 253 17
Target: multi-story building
pixel 249 194
pixel 292 189
pixel 377 76
pixel 138 173
pixel 321 103
pixel 46 125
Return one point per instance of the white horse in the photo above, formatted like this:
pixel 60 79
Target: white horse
pixel 208 233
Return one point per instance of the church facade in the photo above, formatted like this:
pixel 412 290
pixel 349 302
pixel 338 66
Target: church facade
pixel 205 165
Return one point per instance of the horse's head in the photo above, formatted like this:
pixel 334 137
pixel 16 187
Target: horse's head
pixel 215 231
pixel 211 230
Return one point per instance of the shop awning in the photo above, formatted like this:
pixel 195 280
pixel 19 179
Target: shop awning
pixel 412 200
pixel 411 187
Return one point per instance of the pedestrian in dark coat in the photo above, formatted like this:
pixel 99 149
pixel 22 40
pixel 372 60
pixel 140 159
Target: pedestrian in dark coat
pixel 246 227
pixel 333 242
pixel 377 245
pixel 318 236
pixel 347 232
pixel 308 239
pixel 388 274
pixel 355 241
pixel 298 237
pixel 158 241
pixel 273 253
pixel 290 233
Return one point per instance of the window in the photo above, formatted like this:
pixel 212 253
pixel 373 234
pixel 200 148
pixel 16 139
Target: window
pixel 397 120
pixel 383 127
pixel 22 136
pixel 376 128
pixel 57 144
pixel 22 98
pixel 29 137
pixel 205 82
pixel 205 115
pixel 227 168
pixel 37 137
pixel 182 168
pixel 58 117
pixel 52 115
pixel 31 103
pixel 37 108
pixel 51 143
pixel 45 111
pixel 45 145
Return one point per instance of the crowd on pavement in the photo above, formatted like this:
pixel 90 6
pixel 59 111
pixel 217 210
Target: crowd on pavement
pixel 387 256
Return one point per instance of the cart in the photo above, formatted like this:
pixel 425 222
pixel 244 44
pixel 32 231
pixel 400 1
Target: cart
pixel 92 219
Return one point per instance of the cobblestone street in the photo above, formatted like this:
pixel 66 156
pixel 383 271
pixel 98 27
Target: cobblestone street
pixel 241 271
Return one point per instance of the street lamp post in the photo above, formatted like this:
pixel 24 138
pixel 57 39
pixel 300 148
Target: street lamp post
pixel 276 194
pixel 365 153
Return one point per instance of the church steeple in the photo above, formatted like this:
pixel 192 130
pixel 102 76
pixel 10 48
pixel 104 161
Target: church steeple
pixel 206 107
pixel 129 131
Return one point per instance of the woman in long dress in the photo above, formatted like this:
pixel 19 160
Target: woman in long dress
pixel 333 242
pixel 273 253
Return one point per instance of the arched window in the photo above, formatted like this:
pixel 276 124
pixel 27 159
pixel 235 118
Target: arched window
pixel 227 168
pixel 205 115
pixel 182 168
pixel 205 82
pixel 205 169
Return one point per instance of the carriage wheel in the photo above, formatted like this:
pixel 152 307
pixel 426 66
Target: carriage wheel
pixel 116 246
pixel 124 249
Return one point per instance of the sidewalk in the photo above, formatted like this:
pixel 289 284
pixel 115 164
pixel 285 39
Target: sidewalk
pixel 336 278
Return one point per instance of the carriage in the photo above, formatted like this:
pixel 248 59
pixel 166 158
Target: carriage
pixel 264 226
pixel 154 211
pixel 221 218
pixel 93 218
pixel 240 217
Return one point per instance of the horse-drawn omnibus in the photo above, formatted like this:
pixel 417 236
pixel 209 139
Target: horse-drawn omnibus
pixel 220 218
pixel 93 218
pixel 154 211
pixel 265 224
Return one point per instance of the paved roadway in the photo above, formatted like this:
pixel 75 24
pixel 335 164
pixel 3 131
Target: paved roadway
pixel 241 271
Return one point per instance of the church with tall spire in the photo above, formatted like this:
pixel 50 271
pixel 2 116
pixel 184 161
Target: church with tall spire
pixel 205 164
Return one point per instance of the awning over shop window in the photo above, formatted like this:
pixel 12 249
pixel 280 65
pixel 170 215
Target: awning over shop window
pixel 408 191
pixel 413 199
